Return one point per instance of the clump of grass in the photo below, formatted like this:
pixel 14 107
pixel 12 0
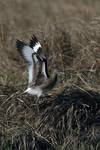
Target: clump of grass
pixel 23 138
pixel 68 113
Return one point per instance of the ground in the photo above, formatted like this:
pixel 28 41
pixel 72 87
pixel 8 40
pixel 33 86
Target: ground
pixel 69 32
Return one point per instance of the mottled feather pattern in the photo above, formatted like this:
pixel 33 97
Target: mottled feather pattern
pixel 43 88
pixel 50 83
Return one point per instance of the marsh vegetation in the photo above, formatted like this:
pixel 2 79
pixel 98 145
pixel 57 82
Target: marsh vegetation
pixel 69 31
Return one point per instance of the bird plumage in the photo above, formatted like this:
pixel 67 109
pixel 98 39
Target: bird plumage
pixel 29 53
pixel 43 88
pixel 39 80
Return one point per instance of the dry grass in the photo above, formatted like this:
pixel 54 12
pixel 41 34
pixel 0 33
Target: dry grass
pixel 70 34
pixel 68 121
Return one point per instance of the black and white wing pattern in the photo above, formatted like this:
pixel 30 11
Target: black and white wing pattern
pixel 37 48
pixel 36 61
pixel 32 55
pixel 35 44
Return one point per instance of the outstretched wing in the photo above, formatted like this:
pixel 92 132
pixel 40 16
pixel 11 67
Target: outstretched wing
pixel 25 51
pixel 35 44
pixel 37 48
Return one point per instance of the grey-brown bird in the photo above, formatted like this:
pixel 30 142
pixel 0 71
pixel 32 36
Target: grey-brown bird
pixel 39 80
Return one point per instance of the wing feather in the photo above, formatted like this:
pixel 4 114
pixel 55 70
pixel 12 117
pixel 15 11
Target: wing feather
pixel 34 43
pixel 25 51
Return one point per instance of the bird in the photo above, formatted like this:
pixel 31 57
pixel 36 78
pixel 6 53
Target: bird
pixel 27 50
pixel 43 88
pixel 39 81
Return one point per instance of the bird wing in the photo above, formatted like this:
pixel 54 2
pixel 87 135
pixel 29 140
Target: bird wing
pixel 25 51
pixel 35 44
pixel 32 55
pixel 37 48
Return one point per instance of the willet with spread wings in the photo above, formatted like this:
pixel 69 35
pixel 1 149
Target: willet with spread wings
pixel 39 80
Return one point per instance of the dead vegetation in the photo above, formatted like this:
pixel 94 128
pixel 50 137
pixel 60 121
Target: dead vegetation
pixel 70 34
pixel 66 121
